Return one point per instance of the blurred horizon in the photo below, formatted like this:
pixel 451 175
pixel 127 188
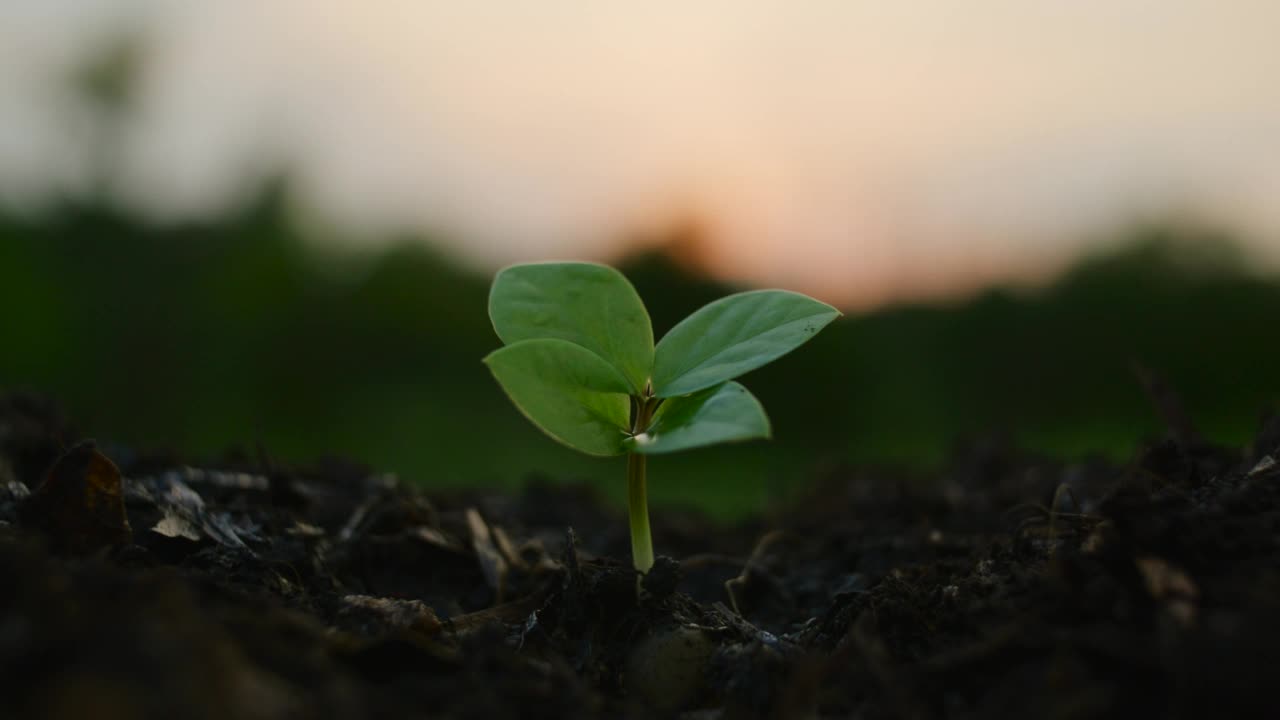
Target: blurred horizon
pixel 241 335
pixel 865 153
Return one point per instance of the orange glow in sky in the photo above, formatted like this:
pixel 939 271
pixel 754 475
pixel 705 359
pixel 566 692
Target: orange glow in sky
pixel 862 151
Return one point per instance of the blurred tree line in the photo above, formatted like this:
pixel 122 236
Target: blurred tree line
pixel 238 332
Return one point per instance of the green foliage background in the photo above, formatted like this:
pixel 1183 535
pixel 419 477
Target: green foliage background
pixel 237 333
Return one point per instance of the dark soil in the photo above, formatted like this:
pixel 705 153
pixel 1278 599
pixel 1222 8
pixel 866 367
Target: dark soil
pixel 134 585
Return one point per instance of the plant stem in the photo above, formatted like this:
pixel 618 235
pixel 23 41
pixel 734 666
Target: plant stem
pixel 637 494
pixel 638 508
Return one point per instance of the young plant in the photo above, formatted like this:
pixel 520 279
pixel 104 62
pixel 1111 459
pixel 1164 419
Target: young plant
pixel 580 363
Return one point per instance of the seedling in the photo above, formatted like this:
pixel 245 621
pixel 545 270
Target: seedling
pixel 580 363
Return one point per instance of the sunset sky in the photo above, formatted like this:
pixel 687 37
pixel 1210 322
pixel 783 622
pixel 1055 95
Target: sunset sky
pixel 861 151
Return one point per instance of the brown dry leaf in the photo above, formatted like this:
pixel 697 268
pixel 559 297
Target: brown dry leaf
pixel 1170 585
pixel 1265 464
pixel 186 516
pixel 507 548
pixel 436 538
pixel 492 564
pixel 80 503
pixel 413 615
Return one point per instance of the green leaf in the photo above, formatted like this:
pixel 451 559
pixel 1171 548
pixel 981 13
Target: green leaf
pixel 725 413
pixel 569 392
pixel 584 303
pixel 734 335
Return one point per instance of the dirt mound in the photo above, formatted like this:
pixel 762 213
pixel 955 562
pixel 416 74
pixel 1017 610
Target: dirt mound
pixel 1004 586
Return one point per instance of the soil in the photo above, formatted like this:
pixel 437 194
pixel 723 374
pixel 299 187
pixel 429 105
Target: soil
pixel 137 585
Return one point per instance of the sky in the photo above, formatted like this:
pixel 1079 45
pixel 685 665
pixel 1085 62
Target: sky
pixel 864 152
